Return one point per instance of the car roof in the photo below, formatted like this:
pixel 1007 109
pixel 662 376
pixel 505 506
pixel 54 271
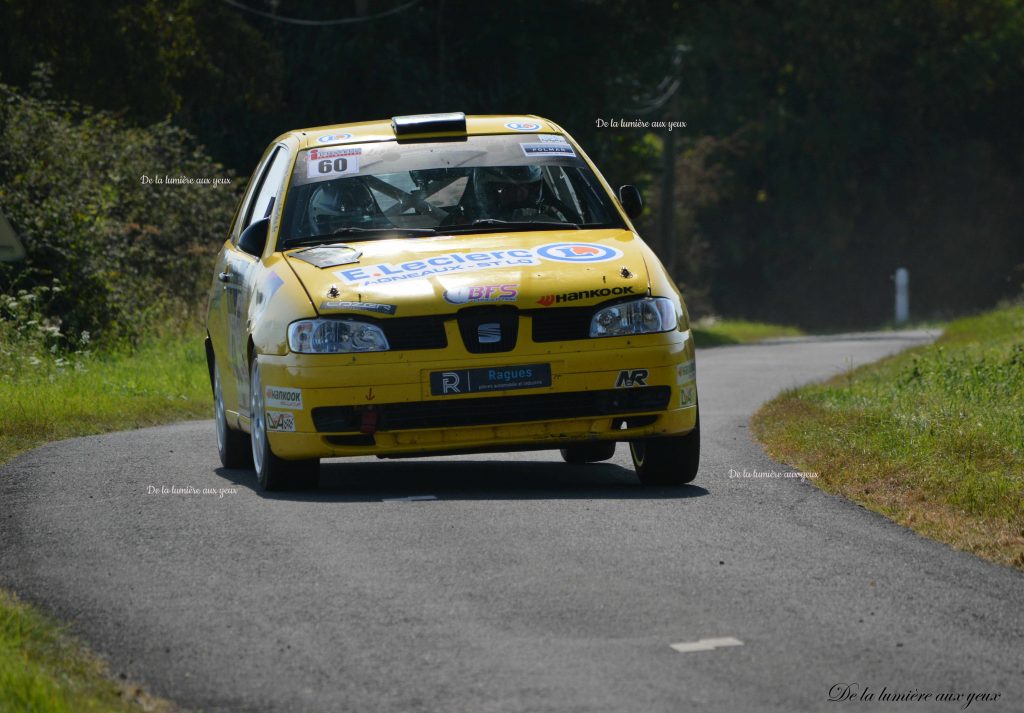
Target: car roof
pixel 383 129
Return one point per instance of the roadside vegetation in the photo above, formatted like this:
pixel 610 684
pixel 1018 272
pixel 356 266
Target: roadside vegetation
pixel 97 327
pixel 932 437
pixel 715 332
pixel 43 669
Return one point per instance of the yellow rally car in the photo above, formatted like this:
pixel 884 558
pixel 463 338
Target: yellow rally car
pixel 440 284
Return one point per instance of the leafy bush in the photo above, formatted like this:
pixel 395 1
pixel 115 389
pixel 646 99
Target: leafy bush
pixel 120 258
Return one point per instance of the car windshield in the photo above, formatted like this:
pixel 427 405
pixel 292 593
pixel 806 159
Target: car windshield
pixel 479 184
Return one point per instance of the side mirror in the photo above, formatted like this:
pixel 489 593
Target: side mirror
pixel 632 203
pixel 254 238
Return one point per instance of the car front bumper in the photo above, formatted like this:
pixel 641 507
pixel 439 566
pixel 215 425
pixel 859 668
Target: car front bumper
pixel 383 405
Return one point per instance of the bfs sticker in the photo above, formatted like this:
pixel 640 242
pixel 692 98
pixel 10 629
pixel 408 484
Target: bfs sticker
pixel 332 162
pixel 481 293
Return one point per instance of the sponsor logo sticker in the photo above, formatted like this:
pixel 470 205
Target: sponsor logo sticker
pixel 548 300
pixel 328 256
pixel 281 397
pixel 383 273
pixel 280 421
pixel 364 306
pixel 628 378
pixel 522 125
pixel 333 137
pixel 554 138
pixel 324 163
pixel 687 372
pixel 505 378
pixel 548 148
pixel 481 293
pixel 578 252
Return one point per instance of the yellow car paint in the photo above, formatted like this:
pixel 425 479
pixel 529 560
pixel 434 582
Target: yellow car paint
pixel 250 311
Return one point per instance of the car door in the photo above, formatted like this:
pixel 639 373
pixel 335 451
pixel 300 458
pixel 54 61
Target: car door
pixel 241 273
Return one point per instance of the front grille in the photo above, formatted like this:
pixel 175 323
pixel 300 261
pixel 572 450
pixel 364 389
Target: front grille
pixel 558 324
pixel 494 409
pixel 479 324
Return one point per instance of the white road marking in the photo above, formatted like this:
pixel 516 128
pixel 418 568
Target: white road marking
pixel 410 499
pixel 688 647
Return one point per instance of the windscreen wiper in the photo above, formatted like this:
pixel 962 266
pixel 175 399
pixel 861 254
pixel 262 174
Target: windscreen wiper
pixel 353 233
pixel 508 225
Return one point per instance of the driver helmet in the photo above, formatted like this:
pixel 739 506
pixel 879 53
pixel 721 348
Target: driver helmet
pixel 504 189
pixel 340 203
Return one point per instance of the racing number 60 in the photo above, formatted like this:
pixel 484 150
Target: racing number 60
pixel 338 165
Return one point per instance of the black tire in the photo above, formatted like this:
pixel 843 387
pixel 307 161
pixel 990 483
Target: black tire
pixel 588 452
pixel 233 446
pixel 274 473
pixel 670 460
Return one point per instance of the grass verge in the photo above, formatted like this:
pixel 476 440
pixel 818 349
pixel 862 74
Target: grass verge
pixel 42 667
pixel 165 380
pixel 932 438
pixel 716 332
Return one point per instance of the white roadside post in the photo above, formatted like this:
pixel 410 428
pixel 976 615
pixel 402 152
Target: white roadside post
pixel 902 296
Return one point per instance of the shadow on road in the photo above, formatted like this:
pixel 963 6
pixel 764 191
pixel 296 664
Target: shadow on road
pixel 345 481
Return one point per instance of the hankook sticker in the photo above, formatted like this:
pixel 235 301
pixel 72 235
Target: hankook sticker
pixel 281 397
pixel 548 300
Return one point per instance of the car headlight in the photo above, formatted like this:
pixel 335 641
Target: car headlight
pixel 644 316
pixel 335 336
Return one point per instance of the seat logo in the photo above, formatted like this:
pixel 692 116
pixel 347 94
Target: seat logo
pixel 489 333
pixel 578 252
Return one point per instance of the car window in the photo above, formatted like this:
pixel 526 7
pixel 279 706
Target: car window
pixel 444 186
pixel 269 187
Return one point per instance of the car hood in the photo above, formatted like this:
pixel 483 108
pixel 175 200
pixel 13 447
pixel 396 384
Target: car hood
pixel 436 275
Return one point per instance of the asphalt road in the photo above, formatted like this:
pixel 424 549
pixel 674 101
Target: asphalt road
pixel 526 585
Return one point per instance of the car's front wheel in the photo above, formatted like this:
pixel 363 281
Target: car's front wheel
pixel 669 460
pixel 588 452
pixel 232 446
pixel 274 473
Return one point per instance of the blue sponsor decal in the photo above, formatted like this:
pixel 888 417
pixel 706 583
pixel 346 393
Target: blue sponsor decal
pixel 577 252
pixel 333 137
pixel 522 125
pixel 506 378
